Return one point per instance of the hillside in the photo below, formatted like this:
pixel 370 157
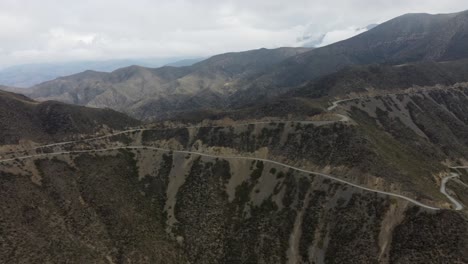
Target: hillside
pixel 214 215
pixel 24 119
pixel 165 206
pixel 383 78
pixel 351 82
pixel 148 93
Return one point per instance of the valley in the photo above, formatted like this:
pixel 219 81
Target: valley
pixel 354 152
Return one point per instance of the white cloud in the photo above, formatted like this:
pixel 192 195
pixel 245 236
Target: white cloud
pixel 13 26
pixel 341 34
pixel 54 30
pixel 59 39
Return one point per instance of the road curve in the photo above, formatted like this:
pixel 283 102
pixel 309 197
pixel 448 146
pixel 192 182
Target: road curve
pixel 458 205
pixel 343 118
pixel 336 103
pixel 232 157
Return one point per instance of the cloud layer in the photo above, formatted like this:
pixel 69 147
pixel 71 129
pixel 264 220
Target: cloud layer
pixel 52 30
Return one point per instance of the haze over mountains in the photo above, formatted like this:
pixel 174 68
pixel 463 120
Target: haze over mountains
pixel 27 75
pixel 234 80
pixel 355 152
pixel 147 92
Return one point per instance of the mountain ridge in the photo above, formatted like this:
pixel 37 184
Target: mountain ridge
pixel 28 75
pixel 235 80
pixel 137 86
pixel 405 39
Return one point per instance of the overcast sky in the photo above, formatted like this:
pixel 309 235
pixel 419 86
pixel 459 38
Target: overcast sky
pixel 63 30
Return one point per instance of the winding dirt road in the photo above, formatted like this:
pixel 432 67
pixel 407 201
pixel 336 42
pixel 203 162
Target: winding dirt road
pixel 457 204
pixel 317 123
pixel 336 103
pixel 232 157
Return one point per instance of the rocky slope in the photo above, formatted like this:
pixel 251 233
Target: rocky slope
pixel 64 215
pixel 435 116
pixel 148 206
pixel 392 141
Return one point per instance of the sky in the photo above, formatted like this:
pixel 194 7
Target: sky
pixel 33 31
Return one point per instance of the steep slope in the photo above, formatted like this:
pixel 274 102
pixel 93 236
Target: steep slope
pixel 433 122
pixel 24 119
pixel 92 213
pixel 383 78
pixel 403 137
pixel 150 206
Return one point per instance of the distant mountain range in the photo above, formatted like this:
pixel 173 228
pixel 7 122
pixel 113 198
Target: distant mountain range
pixel 28 75
pixel 157 93
pixel 185 62
pixel 235 80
